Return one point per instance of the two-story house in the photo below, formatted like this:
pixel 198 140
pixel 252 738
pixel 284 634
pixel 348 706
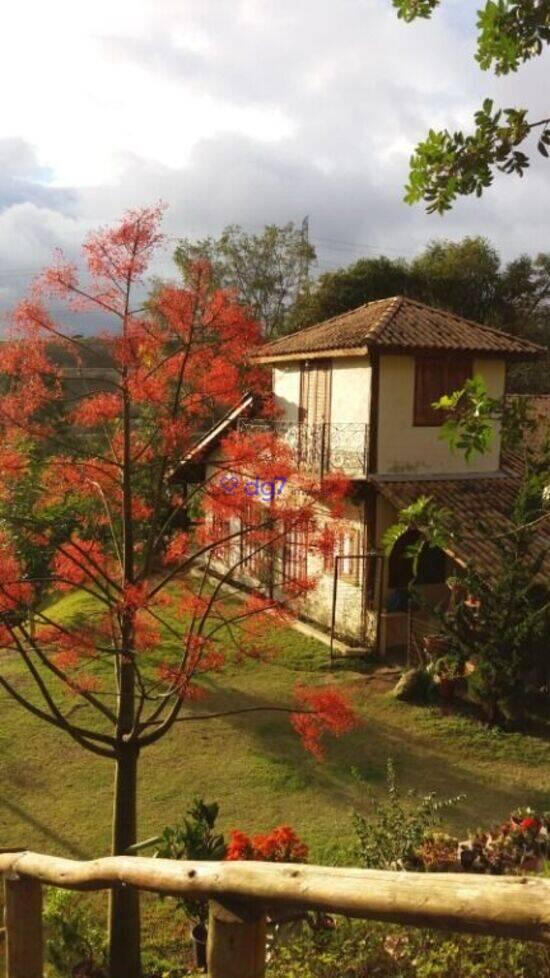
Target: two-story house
pixel 355 394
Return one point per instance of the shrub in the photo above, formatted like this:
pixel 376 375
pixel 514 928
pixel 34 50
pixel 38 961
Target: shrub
pixel 193 838
pixel 75 946
pixel 392 837
pixel 355 949
pixel 519 845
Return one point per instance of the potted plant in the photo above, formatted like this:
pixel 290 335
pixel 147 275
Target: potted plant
pixel 194 838
pixel 448 671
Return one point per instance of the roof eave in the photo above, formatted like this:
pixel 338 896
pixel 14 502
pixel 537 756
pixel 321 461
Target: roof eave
pixel 340 351
pixel 360 351
pixel 530 354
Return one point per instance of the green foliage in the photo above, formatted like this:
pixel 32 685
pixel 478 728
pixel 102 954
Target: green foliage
pixel 355 949
pixel 269 271
pixel 36 529
pixel 512 32
pixel 415 686
pixel 464 277
pixel 391 836
pixel 434 523
pixel 194 837
pixel 471 417
pixel 74 944
pixel 364 281
pixel 471 413
pixel 448 165
pixel 409 10
pixel 504 630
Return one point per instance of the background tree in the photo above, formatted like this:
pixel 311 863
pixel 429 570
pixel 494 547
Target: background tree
pixel 448 165
pixel 364 281
pixel 465 277
pixel 137 663
pixel 269 271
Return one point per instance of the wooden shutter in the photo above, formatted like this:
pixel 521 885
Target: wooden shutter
pixel 315 392
pixel 459 370
pixel 434 377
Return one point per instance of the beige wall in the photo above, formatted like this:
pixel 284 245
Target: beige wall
pixel 403 448
pixel 286 387
pixel 350 397
pixel 351 386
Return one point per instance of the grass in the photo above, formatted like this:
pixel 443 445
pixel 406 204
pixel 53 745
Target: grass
pixel 57 798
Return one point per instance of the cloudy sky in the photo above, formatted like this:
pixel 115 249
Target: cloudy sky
pixel 247 111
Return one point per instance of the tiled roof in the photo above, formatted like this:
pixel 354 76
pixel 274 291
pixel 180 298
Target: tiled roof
pixel 399 324
pixel 481 507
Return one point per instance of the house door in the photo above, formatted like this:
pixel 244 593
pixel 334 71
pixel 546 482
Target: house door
pixel 315 392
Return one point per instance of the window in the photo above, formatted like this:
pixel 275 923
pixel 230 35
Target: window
pixel 350 568
pixel 347 544
pixel 434 377
pixel 295 554
pixel 253 555
pixel 315 385
pixel 431 566
pixel 221 528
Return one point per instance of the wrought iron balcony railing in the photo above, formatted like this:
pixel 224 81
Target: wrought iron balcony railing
pixel 322 447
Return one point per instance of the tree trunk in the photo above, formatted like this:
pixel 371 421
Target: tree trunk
pixel 124 923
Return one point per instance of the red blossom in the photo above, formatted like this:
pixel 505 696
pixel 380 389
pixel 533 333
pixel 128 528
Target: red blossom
pixel 98 409
pixel 177 548
pixel 326 710
pixel 78 562
pixel 530 824
pixel 281 845
pixel 14 590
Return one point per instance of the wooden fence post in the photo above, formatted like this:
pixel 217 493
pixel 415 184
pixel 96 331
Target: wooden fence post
pixel 236 940
pixel 23 918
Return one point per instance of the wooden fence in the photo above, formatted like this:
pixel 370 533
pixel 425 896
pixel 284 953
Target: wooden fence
pixel 241 893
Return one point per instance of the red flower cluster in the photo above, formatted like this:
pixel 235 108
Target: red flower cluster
pixel 281 845
pixel 324 711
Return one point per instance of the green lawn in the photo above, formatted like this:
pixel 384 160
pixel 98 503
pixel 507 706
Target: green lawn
pixel 57 798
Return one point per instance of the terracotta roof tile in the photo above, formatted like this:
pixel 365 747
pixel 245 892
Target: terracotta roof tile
pixel 400 324
pixel 481 507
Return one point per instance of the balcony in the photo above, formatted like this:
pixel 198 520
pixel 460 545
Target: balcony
pixel 322 448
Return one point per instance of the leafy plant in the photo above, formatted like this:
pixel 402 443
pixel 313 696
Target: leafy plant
pixel 391 836
pixel 356 949
pixel 193 838
pixel 75 946
pixel 502 627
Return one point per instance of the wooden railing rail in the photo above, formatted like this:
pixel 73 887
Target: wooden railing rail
pixel 241 892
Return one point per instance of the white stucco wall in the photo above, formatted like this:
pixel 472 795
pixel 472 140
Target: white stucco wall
pixel 317 606
pixel 351 385
pixel 404 448
pixel 286 388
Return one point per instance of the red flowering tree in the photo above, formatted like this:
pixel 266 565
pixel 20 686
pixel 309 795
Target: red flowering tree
pixel 137 543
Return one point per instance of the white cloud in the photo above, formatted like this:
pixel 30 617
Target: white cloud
pixel 247 111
